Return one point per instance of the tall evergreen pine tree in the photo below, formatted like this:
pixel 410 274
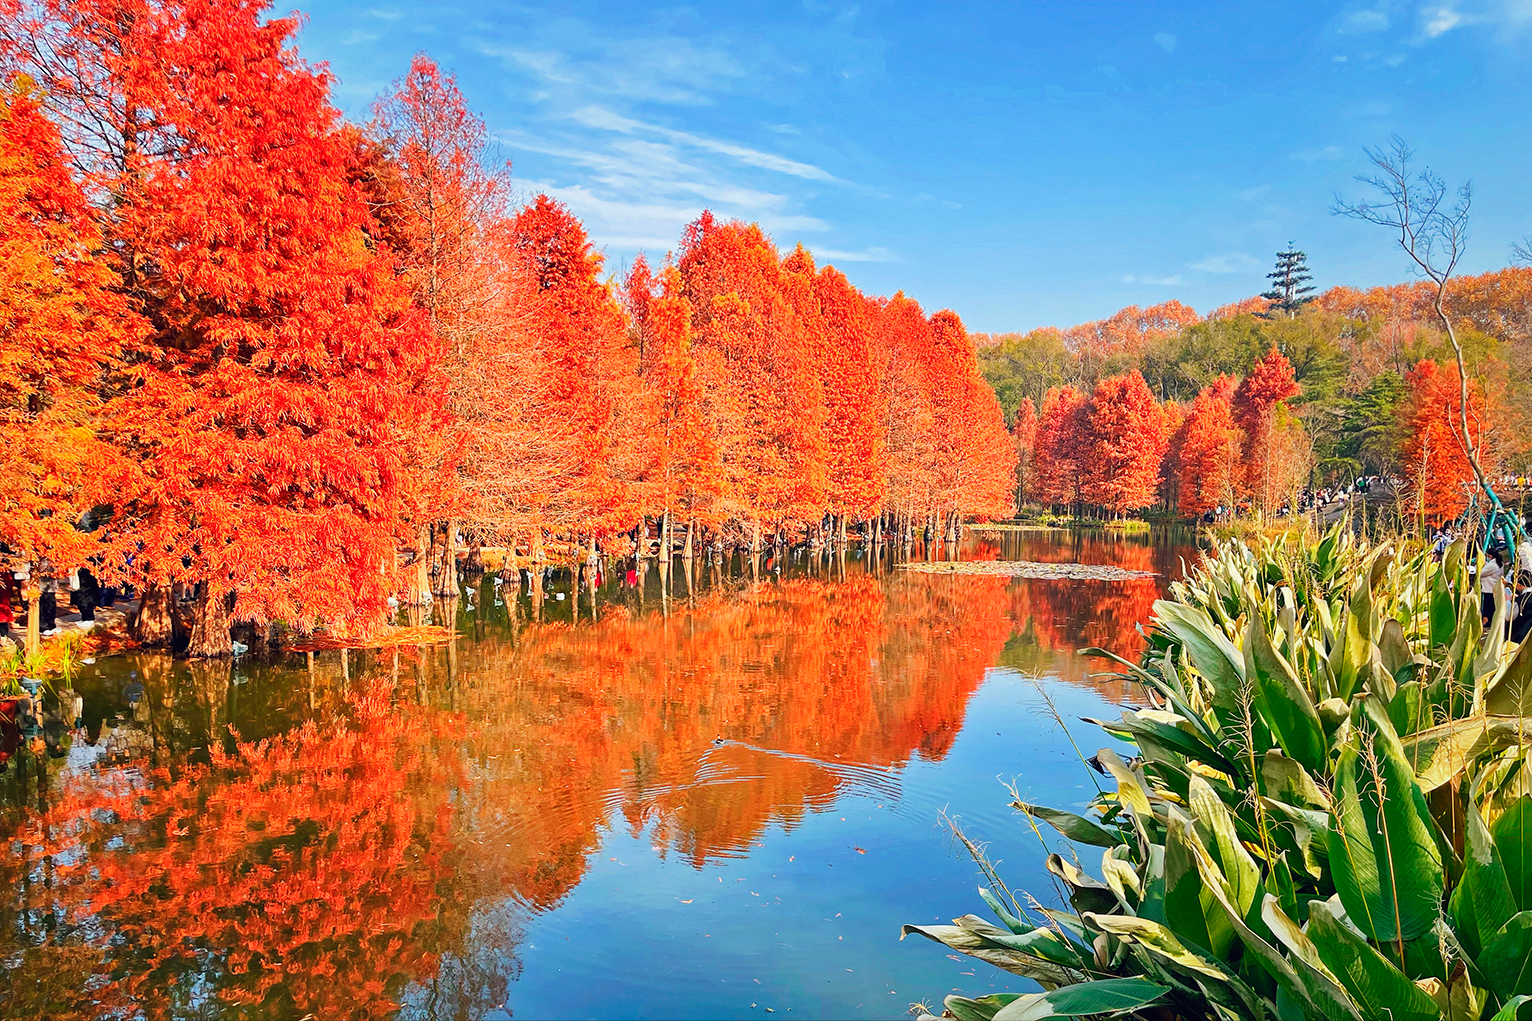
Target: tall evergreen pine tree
pixel 1290 289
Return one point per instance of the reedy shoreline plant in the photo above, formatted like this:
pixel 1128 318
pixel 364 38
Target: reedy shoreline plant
pixel 1329 816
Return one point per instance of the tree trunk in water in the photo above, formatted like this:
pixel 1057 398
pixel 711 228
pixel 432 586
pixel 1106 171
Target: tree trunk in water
pixel 154 624
pixel 422 594
pixel 446 582
pixel 210 628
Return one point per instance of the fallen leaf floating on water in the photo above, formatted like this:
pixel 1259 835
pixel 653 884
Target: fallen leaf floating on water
pixel 688 900
pixel 861 850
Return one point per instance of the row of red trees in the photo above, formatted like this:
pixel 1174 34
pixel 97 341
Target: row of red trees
pixel 1118 450
pixel 273 348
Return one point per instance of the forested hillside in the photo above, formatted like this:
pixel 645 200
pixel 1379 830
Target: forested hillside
pixel 1372 385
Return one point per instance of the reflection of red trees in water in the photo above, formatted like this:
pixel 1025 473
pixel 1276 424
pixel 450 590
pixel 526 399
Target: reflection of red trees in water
pixel 298 874
pixel 334 868
pixel 715 721
pixel 1067 615
pixel 1054 619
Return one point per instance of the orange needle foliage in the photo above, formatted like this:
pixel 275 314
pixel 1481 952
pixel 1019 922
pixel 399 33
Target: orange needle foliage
pixel 1260 413
pixel 1438 476
pixel 340 341
pixel 61 325
pixel 300 874
pixel 1208 445
pixel 1061 433
pixel 1128 435
pixel 282 364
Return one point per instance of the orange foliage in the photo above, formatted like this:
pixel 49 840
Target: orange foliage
pixel 61 327
pixel 1128 434
pixel 263 412
pixel 1259 412
pixel 1061 435
pixel 1208 449
pixel 757 362
pixel 855 411
pixel 1438 476
pixel 300 874
pixel 1126 330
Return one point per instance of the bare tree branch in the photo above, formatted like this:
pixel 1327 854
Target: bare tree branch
pixel 1433 233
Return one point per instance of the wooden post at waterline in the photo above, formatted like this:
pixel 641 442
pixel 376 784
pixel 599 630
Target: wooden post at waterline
pixel 33 594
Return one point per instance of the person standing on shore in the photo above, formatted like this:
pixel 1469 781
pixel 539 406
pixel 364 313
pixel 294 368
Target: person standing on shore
pixel 88 595
pixel 48 604
pixel 7 594
pixel 1491 584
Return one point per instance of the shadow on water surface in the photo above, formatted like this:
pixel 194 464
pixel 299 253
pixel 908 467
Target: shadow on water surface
pixel 611 803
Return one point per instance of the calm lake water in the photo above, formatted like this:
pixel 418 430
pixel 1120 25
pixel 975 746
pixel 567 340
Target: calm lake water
pixel 720 800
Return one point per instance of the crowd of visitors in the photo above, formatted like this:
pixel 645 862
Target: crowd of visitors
pixel 81 589
pixel 1313 500
pixel 1506 576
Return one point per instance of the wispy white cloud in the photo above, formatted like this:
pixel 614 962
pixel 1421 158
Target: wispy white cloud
pixel 623 126
pixel 575 58
pixel 606 120
pixel 865 255
pixel 1328 152
pixel 1439 20
pixel 1364 21
pixel 1232 262
pixel 1165 41
pixel 1155 281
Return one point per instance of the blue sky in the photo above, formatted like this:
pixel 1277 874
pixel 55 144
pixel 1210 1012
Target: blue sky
pixel 1023 164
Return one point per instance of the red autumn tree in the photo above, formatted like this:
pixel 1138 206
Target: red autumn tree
pixel 760 376
pixel 1024 434
pixel 902 344
pixel 1125 445
pixel 592 373
pixel 1209 450
pixel 857 459
pixel 976 461
pixel 1438 477
pixel 265 412
pixel 442 197
pixel 684 479
pixel 61 328
pixel 1255 402
pixel 427 172
pixel 1062 430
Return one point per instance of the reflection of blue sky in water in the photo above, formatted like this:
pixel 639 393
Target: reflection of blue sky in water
pixel 810 918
